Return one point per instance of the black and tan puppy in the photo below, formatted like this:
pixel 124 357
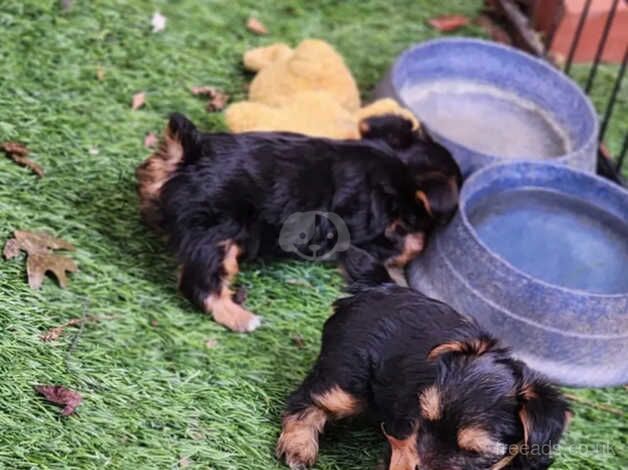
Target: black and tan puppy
pixel 220 197
pixel 448 395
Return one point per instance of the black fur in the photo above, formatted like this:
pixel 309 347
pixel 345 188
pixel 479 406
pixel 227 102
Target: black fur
pixel 376 347
pixel 243 188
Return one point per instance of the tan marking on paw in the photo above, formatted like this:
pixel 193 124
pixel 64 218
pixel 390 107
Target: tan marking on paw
pixel 231 315
pixel 230 263
pixel 338 402
pixel 298 442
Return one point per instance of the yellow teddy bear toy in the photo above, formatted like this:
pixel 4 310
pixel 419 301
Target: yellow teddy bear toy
pixel 308 90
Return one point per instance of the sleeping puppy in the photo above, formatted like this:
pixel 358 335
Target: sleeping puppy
pixel 447 394
pixel 221 197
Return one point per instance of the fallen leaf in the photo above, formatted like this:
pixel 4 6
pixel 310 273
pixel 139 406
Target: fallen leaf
pixel 54 333
pixel 151 140
pixel 40 257
pixel 211 343
pixel 256 26
pixel 18 153
pixel 218 101
pixel 11 248
pixel 448 23
pixel 59 395
pixel 100 73
pixel 298 341
pixel 184 462
pixel 138 100
pixel 154 323
pixel 158 22
pixel 15 148
pixel 217 98
pixel 204 90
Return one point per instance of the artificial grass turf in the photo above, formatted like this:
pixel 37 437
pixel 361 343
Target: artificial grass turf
pixel 155 395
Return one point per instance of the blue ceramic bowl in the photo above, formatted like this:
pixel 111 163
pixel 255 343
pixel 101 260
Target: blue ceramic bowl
pixel 538 254
pixel 488 103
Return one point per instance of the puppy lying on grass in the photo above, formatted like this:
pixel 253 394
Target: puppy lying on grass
pixel 447 394
pixel 221 197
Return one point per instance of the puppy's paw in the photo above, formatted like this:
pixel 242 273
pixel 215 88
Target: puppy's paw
pixel 297 448
pixel 254 323
pixel 298 442
pixel 231 315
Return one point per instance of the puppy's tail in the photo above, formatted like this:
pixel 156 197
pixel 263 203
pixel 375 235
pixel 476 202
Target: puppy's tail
pixel 179 138
pixel 363 270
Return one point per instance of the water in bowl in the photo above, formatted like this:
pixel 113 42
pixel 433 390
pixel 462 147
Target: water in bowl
pixel 487 119
pixel 556 238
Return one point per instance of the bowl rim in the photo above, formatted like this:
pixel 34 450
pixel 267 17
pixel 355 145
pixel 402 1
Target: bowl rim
pixel 486 44
pixel 462 214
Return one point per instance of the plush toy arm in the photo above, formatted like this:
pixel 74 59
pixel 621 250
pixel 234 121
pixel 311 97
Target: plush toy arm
pixel 260 57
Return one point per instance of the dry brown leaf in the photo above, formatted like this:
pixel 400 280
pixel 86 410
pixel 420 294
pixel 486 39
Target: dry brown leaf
pixel 448 23
pixel 53 333
pixel 100 73
pixel 211 343
pixel 138 100
pixel 218 101
pixel 15 148
pixel 204 90
pixel 40 242
pixel 38 265
pixel 217 98
pixel 184 462
pixel 298 341
pixel 11 248
pixel 40 257
pixel 60 395
pixel 151 140
pixel 18 153
pixel 256 26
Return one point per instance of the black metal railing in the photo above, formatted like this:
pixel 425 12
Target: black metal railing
pixel 607 165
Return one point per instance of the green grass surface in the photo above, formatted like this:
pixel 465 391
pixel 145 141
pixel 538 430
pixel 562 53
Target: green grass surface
pixel 155 395
pixel 600 96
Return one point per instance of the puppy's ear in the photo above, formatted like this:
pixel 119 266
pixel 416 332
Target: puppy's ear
pixel 180 129
pixel 544 415
pixel 439 195
pixel 362 269
pixel 472 347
